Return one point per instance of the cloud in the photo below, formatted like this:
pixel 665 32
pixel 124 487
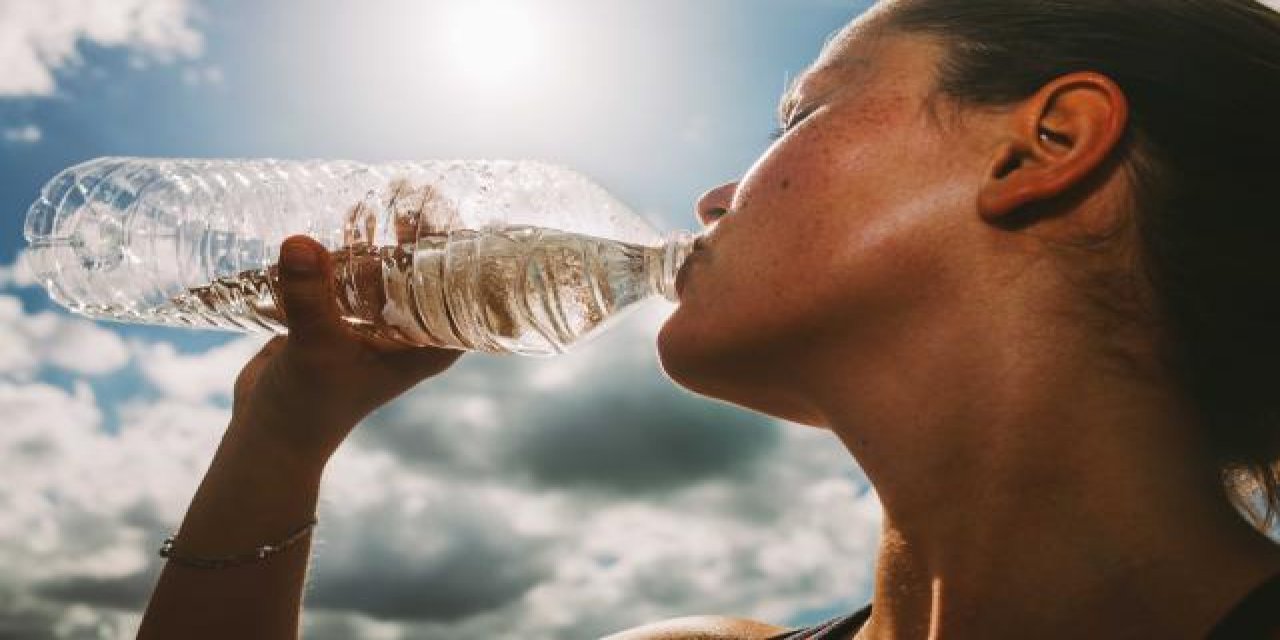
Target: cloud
pixel 632 563
pixel 17 274
pixel 39 38
pixel 115 592
pixel 481 504
pixel 84 510
pixel 422 548
pixel 629 438
pixel 196 377
pixel 30 342
pixel 27 134
pixel 602 418
pixel 660 504
pixel 409 553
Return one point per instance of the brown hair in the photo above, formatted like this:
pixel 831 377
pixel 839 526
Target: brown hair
pixel 1203 81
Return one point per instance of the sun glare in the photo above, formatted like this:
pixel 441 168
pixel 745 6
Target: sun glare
pixel 495 43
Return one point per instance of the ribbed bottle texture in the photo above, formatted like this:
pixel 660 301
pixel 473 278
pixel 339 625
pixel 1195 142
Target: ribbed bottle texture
pixel 504 257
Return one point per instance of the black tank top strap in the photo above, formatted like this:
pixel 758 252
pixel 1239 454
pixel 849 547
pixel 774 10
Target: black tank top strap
pixel 1256 617
pixel 837 629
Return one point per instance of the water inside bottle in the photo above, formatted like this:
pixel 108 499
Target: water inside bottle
pixel 509 289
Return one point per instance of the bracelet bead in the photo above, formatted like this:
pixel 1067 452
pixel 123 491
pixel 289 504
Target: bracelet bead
pixel 168 551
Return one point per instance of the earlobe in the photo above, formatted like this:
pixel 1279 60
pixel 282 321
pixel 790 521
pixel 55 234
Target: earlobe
pixel 1054 141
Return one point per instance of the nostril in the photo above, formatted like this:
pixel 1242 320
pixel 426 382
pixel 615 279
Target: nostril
pixel 714 204
pixel 712 215
pixel 709 215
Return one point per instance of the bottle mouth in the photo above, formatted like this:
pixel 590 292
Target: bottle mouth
pixel 676 251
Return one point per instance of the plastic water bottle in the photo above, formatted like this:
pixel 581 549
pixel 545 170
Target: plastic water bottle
pixel 501 257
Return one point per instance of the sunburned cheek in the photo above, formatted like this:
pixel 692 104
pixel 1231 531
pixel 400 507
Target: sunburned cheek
pixel 883 112
pixel 872 127
pixel 844 145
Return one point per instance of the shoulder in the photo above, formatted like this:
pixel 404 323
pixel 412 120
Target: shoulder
pixel 701 628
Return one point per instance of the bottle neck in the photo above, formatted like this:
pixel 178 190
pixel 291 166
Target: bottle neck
pixel 670 257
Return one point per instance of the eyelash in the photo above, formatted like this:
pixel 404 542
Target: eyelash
pixel 795 120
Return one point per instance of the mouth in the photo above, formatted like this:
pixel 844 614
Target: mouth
pixel 682 276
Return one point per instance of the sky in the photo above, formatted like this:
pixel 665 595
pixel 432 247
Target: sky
pixel 511 497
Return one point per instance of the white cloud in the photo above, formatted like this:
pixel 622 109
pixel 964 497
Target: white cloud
pixel 39 37
pixel 549 565
pixel 199 376
pixel 17 274
pixel 17 356
pixel 641 551
pixel 84 510
pixel 28 342
pixel 27 134
pixel 635 563
pixel 84 347
pixel 407 549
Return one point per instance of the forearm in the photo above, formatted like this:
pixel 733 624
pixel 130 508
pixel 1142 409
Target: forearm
pixel 255 492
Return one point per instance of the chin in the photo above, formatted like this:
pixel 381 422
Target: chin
pixel 732 375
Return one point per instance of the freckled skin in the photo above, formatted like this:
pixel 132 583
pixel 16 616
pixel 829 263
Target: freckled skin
pixel 831 238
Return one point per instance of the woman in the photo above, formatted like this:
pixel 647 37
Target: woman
pixel 1016 255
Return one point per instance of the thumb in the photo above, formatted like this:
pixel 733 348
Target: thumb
pixel 307 292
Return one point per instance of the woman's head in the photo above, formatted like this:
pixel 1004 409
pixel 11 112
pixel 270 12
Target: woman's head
pixel 820 249
pixel 883 208
pixel 868 244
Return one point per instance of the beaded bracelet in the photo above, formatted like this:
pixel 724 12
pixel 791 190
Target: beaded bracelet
pixel 262 552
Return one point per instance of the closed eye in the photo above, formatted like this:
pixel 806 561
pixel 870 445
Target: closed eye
pixel 792 122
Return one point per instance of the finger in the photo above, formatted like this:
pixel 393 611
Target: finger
pixel 374 339
pixel 435 362
pixel 307 291
pixel 424 362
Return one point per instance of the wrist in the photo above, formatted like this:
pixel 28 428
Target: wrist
pixel 259 437
pixel 256 489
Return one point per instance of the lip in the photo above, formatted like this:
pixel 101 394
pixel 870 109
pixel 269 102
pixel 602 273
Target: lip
pixel 682 276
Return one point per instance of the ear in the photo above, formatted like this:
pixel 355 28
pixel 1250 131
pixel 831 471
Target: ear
pixel 1054 141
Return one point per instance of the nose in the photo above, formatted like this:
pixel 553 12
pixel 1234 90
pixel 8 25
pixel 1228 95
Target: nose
pixel 715 203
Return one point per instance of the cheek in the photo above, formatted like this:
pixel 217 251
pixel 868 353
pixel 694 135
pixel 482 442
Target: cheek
pixel 831 237
pixel 770 271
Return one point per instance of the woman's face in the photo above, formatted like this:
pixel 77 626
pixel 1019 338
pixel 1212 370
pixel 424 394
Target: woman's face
pixel 836 243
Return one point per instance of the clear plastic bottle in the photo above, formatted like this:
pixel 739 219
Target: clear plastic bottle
pixel 502 257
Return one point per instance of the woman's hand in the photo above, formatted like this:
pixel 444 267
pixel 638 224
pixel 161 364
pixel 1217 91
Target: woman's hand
pixel 307 391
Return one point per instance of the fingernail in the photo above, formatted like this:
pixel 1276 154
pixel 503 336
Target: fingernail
pixel 298 257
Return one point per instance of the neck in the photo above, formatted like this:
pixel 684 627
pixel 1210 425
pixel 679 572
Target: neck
pixel 1073 504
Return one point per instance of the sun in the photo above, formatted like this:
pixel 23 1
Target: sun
pixel 495 43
